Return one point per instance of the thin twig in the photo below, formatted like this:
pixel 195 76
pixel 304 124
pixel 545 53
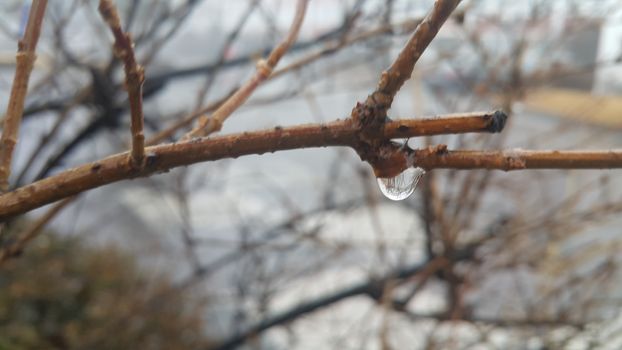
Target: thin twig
pixel 25 60
pixel 14 249
pixel 229 40
pixel 134 77
pixel 208 125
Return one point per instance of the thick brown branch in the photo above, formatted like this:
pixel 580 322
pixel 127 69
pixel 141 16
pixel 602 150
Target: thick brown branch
pixel 134 77
pixel 25 60
pixel 341 133
pixel 208 125
pixel 165 157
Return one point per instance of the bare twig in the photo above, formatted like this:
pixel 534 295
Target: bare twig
pixel 25 60
pixel 401 69
pixel 134 77
pixel 208 125
pixel 516 159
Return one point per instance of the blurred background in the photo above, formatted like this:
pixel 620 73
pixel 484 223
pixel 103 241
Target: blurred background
pixel 299 249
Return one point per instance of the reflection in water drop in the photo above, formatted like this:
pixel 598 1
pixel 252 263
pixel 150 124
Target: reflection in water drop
pixel 402 186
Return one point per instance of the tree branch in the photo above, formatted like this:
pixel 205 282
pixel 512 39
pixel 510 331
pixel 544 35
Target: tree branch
pixel 134 78
pixel 162 158
pixel 386 159
pixel 25 60
pixel 400 71
pixel 516 159
pixel 15 248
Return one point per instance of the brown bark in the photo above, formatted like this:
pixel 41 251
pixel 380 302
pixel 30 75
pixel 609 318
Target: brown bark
pixel 134 78
pixel 165 157
pixel 25 60
pixel 340 133
pixel 517 159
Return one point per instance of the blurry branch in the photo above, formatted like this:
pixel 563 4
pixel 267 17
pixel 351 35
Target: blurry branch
pixel 373 288
pixel 16 247
pixel 134 78
pixel 500 322
pixel 162 158
pixel 155 82
pixel 268 237
pixel 161 79
pixel 229 40
pixel 48 138
pixel 177 16
pixel 208 125
pixel 25 60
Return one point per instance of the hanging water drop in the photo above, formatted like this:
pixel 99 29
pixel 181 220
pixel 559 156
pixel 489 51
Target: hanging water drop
pixel 401 186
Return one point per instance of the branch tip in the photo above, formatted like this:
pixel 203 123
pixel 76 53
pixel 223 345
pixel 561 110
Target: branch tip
pixel 497 121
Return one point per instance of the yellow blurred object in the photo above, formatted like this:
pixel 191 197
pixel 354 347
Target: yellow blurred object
pixel 577 105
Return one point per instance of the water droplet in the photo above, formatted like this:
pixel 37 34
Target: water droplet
pixel 401 186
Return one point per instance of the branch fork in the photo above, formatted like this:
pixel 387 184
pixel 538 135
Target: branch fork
pixel 386 158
